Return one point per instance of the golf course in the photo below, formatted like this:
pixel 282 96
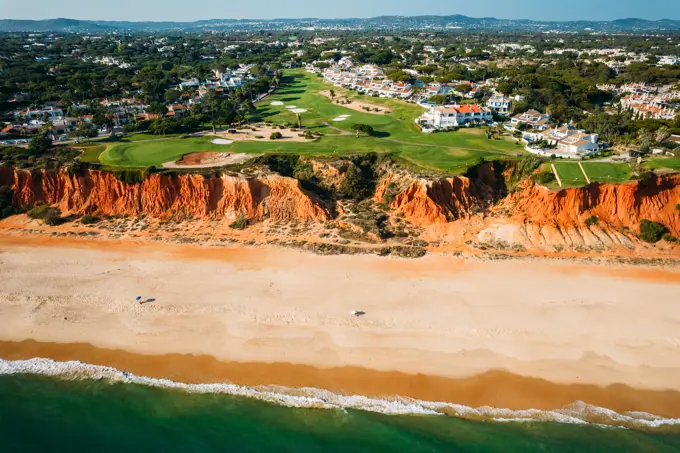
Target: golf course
pixel 450 152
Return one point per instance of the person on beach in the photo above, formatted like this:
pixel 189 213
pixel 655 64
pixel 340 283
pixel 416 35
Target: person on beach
pixel 139 299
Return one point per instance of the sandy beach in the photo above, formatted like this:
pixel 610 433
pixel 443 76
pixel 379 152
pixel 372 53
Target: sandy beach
pixel 514 334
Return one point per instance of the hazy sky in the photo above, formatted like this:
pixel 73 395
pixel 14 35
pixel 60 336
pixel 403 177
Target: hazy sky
pixel 189 10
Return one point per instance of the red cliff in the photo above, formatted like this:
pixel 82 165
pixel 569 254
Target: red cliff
pixel 186 196
pixel 426 202
pixel 618 205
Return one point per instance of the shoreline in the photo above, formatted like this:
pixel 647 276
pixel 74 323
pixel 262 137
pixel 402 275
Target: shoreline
pixel 542 335
pixel 496 389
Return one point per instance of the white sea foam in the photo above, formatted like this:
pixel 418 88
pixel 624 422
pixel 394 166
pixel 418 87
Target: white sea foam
pixel 576 413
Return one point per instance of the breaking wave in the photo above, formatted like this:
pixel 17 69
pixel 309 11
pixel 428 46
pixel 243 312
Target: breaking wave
pixel 576 413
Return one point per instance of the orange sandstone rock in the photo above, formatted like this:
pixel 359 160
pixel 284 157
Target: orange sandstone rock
pixel 186 196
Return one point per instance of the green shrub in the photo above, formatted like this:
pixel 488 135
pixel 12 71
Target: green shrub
pixel 543 177
pixel 49 216
pixel 88 219
pixel 677 206
pixel 241 223
pixel 38 212
pixel 53 217
pixel 6 208
pixel 651 232
pixel 670 238
pixel 390 193
pixel 592 220
pixel 276 136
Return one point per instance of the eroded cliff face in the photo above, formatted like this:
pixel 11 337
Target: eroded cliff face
pixel 616 205
pixel 187 196
pixel 474 207
pixel 427 202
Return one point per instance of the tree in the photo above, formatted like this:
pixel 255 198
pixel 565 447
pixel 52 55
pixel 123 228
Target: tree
pixel 157 108
pixel 40 144
pixel 651 231
pixel 172 95
pixel 438 99
pixel 363 129
pixel 662 134
pixel 332 92
pixel 463 88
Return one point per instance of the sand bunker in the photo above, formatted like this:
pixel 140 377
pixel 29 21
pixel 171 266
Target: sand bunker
pixel 276 103
pixel 208 159
pixel 221 141
pixel 340 118
pixel 262 133
pixel 359 106
pixel 291 107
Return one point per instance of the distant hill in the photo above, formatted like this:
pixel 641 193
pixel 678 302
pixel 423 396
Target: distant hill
pixel 381 22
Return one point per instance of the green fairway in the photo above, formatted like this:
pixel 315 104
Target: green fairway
pixel 672 163
pixel 570 174
pixel 449 152
pixel 146 153
pixel 607 171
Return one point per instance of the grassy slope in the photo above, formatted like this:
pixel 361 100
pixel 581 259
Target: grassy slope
pixel 607 171
pixel 396 132
pixel 658 164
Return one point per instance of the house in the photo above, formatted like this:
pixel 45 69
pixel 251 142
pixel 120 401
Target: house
pixel 445 117
pixel 50 113
pixel 499 103
pixel 177 110
pixel 566 140
pixel 668 60
pixel 532 118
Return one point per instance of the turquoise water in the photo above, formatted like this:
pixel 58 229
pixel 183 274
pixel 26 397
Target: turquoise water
pixel 46 414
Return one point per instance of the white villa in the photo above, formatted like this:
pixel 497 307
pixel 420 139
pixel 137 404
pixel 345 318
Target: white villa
pixel 566 140
pixel 499 103
pixel 444 117
pixel 531 118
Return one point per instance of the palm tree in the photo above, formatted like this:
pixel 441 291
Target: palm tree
pixel 662 134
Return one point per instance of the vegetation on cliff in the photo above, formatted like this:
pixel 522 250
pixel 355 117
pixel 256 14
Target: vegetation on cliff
pixel 6 206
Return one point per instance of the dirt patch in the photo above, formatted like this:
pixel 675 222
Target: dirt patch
pixel 208 159
pixel 263 133
pixel 359 106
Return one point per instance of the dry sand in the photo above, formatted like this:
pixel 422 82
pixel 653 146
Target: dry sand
pixel 263 133
pixel 357 105
pixel 209 159
pixel 435 328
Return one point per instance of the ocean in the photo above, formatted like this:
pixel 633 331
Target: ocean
pixel 93 412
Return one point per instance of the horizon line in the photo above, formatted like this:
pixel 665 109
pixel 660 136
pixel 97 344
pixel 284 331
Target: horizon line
pixel 339 18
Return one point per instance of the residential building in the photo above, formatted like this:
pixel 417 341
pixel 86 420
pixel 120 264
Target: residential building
pixel 656 106
pixel 669 60
pixel 564 140
pixel 532 118
pixel 449 116
pixel 500 103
